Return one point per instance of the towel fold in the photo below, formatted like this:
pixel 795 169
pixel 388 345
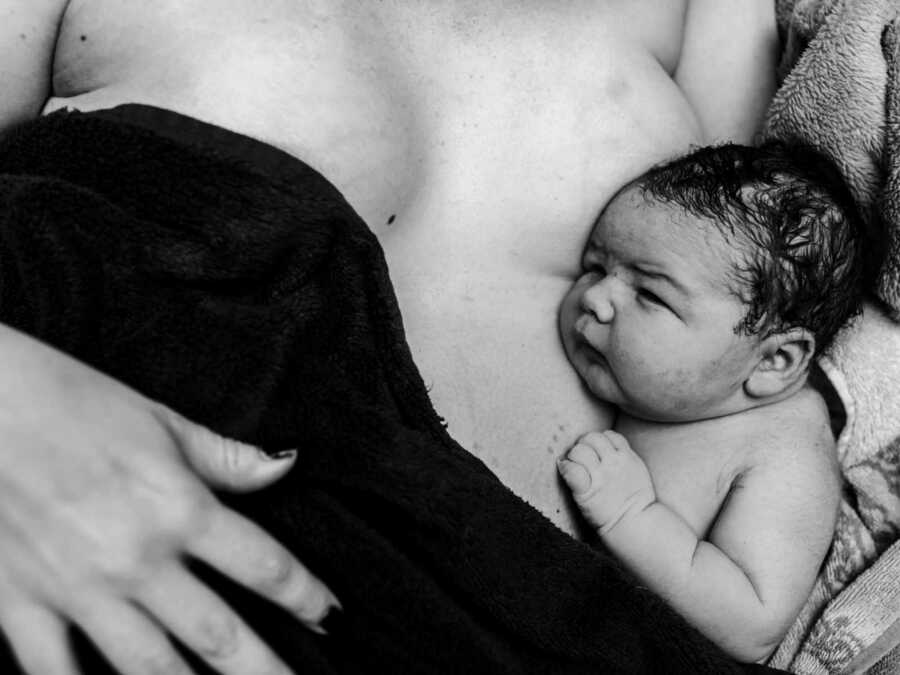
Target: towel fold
pixel 234 284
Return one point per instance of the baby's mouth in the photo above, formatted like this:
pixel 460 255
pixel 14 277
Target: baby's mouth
pixel 585 329
pixel 593 355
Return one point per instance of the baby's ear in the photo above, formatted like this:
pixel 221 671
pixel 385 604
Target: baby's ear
pixel 784 361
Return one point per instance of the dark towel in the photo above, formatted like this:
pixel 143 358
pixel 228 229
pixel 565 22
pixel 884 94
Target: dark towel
pixel 235 284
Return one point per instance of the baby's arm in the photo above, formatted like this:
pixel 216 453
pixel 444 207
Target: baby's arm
pixel 28 30
pixel 742 587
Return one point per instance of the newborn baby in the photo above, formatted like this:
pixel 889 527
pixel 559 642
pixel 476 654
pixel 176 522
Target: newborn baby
pixel 710 284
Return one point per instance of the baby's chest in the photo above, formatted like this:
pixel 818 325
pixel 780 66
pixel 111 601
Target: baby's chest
pixel 692 473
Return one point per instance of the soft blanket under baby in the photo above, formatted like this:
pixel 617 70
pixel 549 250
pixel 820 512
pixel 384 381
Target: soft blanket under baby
pixel 840 92
pixel 234 283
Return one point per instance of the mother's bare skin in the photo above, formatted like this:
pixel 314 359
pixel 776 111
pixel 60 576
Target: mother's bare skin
pixel 479 165
pixel 478 140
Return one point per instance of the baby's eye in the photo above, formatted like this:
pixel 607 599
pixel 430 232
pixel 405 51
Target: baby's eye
pixel 651 297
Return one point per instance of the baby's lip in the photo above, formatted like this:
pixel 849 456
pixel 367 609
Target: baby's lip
pixel 594 356
pixel 587 331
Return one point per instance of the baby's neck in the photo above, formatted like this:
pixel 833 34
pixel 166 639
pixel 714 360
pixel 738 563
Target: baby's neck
pixel 735 407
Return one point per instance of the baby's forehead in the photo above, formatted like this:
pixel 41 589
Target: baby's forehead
pixel 634 199
pixel 635 209
pixel 649 227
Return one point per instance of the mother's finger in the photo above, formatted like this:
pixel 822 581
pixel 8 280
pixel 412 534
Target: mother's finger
pixel 206 625
pixel 242 550
pixel 130 640
pixel 39 639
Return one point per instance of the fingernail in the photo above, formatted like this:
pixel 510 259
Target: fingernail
pixel 332 623
pixel 278 454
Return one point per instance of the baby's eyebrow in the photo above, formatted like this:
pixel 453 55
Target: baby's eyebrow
pixel 658 274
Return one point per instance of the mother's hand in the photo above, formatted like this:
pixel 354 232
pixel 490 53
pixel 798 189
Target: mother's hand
pixel 103 494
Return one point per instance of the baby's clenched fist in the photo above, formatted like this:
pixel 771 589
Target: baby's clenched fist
pixel 607 478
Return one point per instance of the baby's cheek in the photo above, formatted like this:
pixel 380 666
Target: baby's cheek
pixel 648 384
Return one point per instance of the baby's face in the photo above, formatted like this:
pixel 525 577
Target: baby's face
pixel 649 325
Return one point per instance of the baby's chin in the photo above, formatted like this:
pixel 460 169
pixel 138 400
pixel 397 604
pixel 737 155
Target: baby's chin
pixel 603 385
pixel 600 380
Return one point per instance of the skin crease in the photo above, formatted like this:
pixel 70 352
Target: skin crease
pixel 480 175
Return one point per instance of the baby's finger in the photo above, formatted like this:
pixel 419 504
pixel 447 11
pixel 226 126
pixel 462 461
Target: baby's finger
pixel 129 639
pixel 617 441
pixel 586 455
pixel 598 441
pixel 576 476
pixel 245 552
pixel 206 625
pixel 39 639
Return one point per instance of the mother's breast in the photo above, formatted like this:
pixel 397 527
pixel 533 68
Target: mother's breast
pixel 282 72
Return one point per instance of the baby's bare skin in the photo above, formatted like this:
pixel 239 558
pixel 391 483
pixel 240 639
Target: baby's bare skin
pixel 744 484
pixel 719 487
pixel 696 465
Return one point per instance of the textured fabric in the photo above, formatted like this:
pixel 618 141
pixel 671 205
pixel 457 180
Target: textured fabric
pixel 889 665
pixel 839 93
pixel 882 657
pixel 235 284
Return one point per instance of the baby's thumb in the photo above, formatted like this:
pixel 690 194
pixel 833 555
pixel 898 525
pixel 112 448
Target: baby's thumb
pixel 226 464
pixel 576 476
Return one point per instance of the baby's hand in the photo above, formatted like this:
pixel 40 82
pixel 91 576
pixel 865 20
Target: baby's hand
pixel 607 478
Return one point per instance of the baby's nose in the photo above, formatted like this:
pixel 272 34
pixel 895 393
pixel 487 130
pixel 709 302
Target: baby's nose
pixel 597 300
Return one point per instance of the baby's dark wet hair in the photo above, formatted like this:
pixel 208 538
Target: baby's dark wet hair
pixel 789 213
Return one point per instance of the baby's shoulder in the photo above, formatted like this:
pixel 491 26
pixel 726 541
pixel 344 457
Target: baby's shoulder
pixel 801 416
pixel 792 436
pixel 804 412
